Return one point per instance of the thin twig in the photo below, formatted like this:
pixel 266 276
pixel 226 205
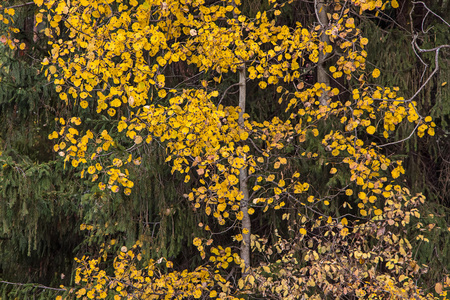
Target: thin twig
pixel 226 91
pixel 21 5
pixel 400 141
pixel 430 11
pixel 189 79
pixel 40 286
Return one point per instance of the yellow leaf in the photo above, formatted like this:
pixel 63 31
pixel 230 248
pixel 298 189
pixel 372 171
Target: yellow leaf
pixel 213 294
pixel 243 135
pixel 162 93
pixel 214 94
pixel 378 212
pixel 444 83
pixel 81 292
pixel 115 103
pixel 371 130
pixel 376 73
pixel 197 293
pixel 91 170
pixel 344 232
pixel 241 283
pixel 10 11
pixel 303 231
pixel 221 206
pixel 394 3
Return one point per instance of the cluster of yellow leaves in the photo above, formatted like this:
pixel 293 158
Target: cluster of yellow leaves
pixel 129 281
pixel 374 4
pixel 75 150
pixel 7 20
pixel 123 61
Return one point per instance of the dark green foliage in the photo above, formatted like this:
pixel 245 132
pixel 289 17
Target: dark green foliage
pixel 11 290
pixel 38 213
pixel 426 160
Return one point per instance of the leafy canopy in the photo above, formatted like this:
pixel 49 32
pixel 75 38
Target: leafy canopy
pixel 116 58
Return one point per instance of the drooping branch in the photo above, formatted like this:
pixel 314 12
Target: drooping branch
pixel 417 50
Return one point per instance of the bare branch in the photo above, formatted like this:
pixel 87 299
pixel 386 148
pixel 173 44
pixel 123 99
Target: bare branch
pixel 21 5
pixel 400 141
pixel 430 11
pixel 39 286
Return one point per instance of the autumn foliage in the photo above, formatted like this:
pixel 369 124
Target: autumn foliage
pixel 117 59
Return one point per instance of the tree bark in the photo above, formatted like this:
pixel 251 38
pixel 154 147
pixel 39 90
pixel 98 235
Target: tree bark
pixel 322 76
pixel 246 224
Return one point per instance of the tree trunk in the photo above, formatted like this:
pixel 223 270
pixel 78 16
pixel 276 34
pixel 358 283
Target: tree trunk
pixel 322 76
pixel 246 225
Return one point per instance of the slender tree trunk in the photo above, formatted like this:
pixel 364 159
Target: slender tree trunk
pixel 322 76
pixel 246 225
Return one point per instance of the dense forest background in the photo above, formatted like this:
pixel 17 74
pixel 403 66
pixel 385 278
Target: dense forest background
pixel 43 204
